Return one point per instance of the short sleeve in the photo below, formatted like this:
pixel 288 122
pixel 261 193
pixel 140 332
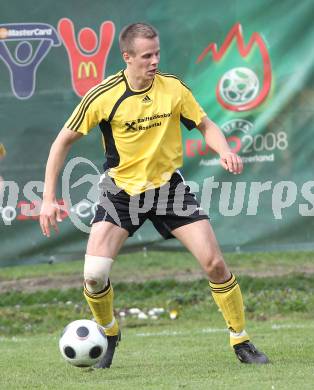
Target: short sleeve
pixel 191 111
pixel 87 113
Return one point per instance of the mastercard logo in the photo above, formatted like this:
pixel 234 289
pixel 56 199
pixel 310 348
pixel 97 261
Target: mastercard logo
pixel 3 33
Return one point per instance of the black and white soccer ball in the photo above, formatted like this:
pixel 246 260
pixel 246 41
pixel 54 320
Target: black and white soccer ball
pixel 83 343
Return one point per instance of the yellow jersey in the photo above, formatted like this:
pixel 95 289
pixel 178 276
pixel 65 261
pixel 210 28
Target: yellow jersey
pixel 140 128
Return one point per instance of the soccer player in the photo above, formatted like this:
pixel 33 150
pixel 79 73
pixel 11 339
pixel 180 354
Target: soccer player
pixel 139 110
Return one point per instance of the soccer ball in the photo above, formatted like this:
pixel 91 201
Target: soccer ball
pixel 83 343
pixel 239 85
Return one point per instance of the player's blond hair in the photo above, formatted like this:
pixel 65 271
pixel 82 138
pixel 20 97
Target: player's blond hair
pixel 132 31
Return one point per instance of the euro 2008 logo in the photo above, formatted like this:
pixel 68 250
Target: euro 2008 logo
pixel 81 211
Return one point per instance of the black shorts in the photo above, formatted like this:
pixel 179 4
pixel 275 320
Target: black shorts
pixel 167 207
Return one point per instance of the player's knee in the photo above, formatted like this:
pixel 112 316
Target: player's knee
pixel 96 272
pixel 215 266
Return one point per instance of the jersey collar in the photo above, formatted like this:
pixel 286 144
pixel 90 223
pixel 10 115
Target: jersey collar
pixel 136 91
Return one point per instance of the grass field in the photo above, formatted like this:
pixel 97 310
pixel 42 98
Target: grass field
pixel 153 265
pixel 191 352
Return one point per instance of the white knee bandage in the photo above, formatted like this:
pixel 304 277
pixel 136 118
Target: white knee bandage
pixel 96 272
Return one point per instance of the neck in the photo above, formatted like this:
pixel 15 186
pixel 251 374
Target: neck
pixel 136 82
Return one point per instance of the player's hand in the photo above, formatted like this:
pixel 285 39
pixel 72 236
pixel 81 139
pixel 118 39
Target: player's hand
pixel 231 162
pixel 50 214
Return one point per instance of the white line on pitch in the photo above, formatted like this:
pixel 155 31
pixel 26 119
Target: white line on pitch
pixel 218 330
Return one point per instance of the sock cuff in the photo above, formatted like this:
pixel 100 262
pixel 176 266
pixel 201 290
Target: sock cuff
pixel 238 334
pixel 223 287
pixel 110 325
pixel 238 338
pixel 99 294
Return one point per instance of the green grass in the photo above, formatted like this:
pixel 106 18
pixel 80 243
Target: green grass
pixel 161 264
pixel 45 311
pixel 189 353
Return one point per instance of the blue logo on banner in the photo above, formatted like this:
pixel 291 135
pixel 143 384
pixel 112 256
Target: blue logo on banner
pixel 23 61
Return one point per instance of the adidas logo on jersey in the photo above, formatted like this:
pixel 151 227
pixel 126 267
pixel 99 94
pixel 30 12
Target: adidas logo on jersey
pixel 146 99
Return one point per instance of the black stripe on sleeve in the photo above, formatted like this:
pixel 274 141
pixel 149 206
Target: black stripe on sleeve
pixel 99 92
pixel 87 98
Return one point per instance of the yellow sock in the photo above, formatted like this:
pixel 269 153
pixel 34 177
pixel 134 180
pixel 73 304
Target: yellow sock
pixel 101 306
pixel 228 298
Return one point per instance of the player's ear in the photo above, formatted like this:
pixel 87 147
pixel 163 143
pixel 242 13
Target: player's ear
pixel 126 56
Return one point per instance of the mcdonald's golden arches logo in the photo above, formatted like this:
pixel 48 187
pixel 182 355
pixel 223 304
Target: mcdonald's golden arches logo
pixel 87 67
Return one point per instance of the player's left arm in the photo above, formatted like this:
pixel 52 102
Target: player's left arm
pixel 216 140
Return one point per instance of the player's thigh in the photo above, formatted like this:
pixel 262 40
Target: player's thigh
pixel 106 239
pixel 199 238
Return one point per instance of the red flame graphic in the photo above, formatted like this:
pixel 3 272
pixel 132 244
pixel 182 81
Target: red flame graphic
pixel 236 32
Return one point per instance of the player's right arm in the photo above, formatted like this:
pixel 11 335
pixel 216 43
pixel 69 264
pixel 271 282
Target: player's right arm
pixel 50 212
pixel 88 113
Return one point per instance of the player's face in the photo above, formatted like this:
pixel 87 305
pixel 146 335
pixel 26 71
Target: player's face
pixel 145 58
